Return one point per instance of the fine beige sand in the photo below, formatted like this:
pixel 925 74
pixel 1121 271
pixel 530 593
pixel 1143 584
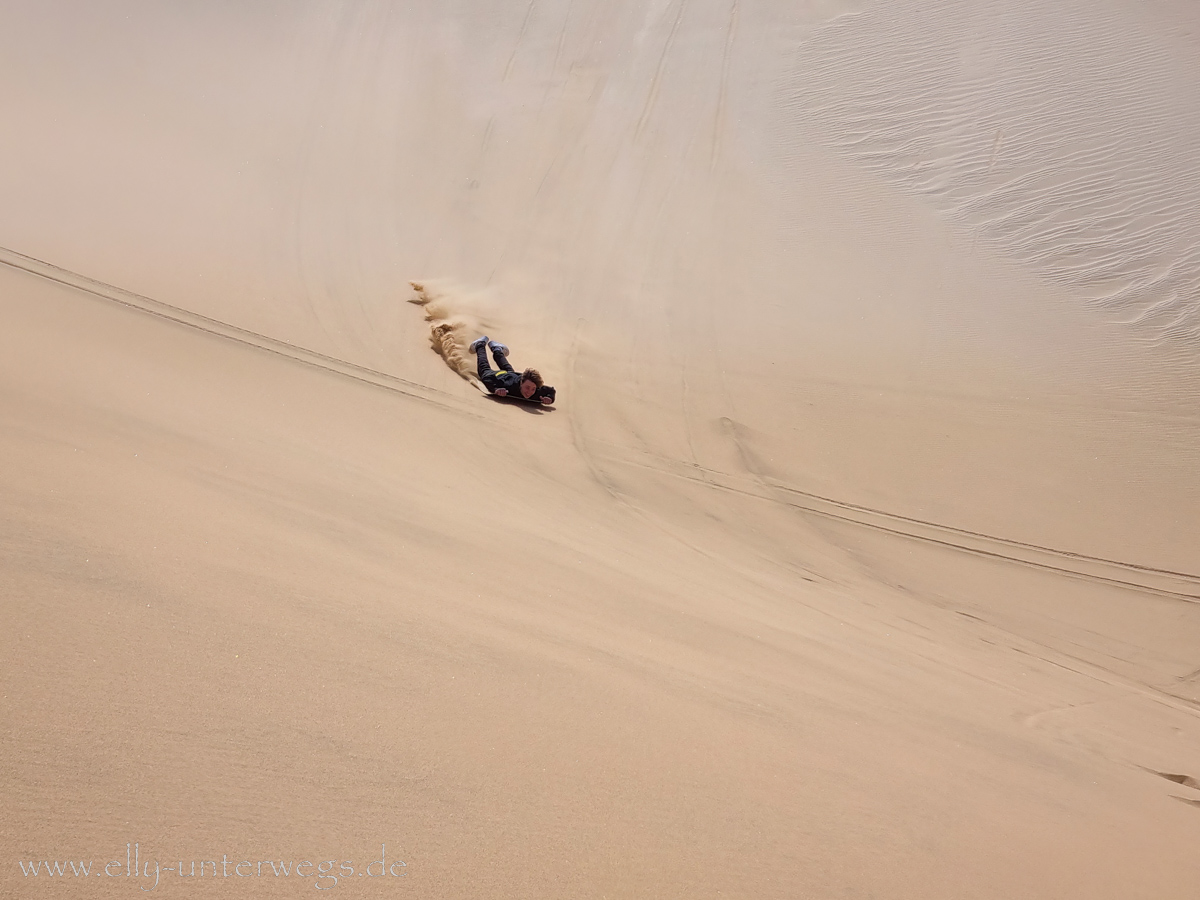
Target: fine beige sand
pixel 859 558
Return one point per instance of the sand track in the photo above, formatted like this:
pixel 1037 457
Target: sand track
pixel 147 305
pixel 1164 582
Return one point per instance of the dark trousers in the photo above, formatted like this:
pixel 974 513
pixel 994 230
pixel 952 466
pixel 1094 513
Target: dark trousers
pixel 486 372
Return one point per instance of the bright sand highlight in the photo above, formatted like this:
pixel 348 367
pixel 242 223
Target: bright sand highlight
pixel 860 556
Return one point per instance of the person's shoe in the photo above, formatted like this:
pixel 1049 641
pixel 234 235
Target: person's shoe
pixel 477 343
pixel 498 347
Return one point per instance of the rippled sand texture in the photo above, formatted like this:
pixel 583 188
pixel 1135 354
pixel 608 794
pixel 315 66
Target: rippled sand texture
pixel 859 556
pixel 1062 137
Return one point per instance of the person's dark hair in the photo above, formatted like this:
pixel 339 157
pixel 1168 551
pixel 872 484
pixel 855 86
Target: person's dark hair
pixel 532 375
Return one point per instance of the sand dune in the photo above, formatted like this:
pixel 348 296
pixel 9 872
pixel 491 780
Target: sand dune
pixel 860 555
pixel 1066 148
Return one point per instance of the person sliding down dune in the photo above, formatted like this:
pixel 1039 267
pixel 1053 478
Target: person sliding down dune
pixel 526 385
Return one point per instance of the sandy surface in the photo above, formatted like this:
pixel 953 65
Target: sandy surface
pixel 860 556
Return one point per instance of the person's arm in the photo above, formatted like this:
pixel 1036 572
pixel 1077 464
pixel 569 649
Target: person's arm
pixel 505 382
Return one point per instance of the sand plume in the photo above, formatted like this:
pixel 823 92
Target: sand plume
pixel 452 324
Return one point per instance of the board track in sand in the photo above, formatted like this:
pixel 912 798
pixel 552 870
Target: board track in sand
pixel 113 294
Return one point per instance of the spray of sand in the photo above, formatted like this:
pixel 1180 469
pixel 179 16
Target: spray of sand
pixel 455 318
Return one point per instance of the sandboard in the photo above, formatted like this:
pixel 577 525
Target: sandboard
pixel 516 398
pixel 519 399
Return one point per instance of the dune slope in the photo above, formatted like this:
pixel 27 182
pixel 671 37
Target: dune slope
pixel 857 558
